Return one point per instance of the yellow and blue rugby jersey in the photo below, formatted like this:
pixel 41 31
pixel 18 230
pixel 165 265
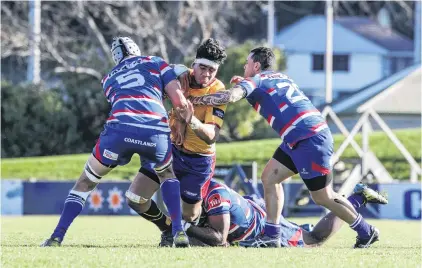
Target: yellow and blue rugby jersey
pixel 206 114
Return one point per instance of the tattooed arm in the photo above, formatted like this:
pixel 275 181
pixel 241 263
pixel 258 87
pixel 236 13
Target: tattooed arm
pixel 221 97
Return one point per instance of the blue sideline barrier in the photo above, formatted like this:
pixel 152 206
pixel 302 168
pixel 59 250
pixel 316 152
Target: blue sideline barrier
pixel 29 198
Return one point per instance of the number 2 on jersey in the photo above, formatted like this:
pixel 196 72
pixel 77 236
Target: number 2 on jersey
pixel 130 75
pixel 293 94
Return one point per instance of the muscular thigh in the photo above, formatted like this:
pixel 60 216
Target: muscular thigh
pixel 279 167
pixel 144 186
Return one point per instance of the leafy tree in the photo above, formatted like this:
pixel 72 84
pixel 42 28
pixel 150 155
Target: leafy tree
pixel 242 122
pixel 35 121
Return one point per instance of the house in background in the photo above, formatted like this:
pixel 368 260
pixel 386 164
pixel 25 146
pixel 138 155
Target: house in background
pixel 364 52
pixel 397 100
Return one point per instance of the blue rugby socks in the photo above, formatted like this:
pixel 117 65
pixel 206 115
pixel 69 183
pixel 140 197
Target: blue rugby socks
pixel 272 230
pixel 73 205
pixel 361 227
pixel 171 197
pixel 356 200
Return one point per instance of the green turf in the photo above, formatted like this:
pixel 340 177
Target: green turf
pixel 69 167
pixel 131 242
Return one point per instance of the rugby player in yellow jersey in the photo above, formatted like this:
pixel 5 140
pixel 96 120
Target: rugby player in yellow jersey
pixel 193 144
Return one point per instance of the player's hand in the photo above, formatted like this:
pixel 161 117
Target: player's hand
pixel 236 79
pixel 178 130
pixel 185 113
pixel 184 80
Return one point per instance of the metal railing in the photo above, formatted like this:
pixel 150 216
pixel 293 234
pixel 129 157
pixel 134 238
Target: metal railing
pixel 363 151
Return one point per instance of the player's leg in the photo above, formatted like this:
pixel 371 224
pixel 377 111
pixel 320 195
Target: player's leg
pixel 139 194
pixel 312 157
pixel 323 194
pixel 194 173
pixel 343 209
pixel 170 189
pixel 95 168
pixel 330 223
pixel 326 227
pixel 278 169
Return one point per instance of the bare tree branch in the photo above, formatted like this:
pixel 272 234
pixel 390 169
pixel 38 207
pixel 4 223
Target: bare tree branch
pixel 86 17
pixel 79 70
pixel 78 33
pixel 116 21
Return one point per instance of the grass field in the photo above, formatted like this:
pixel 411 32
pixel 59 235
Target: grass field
pixel 124 241
pixel 69 167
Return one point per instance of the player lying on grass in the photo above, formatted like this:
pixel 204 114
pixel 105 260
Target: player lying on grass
pixel 231 218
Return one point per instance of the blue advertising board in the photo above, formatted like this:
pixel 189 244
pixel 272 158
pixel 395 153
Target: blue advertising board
pixel 108 198
pixel 404 201
pixel 48 198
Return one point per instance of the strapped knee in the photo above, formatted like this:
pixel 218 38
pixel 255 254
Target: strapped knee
pixel 135 198
pixel 91 174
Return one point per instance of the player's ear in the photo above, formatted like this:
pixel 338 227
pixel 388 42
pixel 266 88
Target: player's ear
pixel 257 67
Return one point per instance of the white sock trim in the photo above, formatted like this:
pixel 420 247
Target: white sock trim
pixel 84 195
pixel 356 222
pixel 171 180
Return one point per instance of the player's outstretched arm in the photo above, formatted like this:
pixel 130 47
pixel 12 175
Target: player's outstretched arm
pixel 221 97
pixel 215 234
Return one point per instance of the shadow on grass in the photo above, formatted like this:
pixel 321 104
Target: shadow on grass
pixel 396 247
pixel 85 246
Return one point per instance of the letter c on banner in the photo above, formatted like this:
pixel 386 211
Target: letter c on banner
pixel 412 204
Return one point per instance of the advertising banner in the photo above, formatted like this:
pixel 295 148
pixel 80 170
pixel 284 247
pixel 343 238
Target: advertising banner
pixel 11 197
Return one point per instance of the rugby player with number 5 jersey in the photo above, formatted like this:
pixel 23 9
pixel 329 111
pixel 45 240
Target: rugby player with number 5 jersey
pixel 138 123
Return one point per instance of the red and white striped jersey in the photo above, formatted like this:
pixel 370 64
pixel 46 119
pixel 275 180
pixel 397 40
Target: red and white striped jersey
pixel 134 88
pixel 287 110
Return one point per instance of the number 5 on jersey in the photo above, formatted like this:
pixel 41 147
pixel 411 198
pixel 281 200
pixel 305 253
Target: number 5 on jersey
pixel 124 79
